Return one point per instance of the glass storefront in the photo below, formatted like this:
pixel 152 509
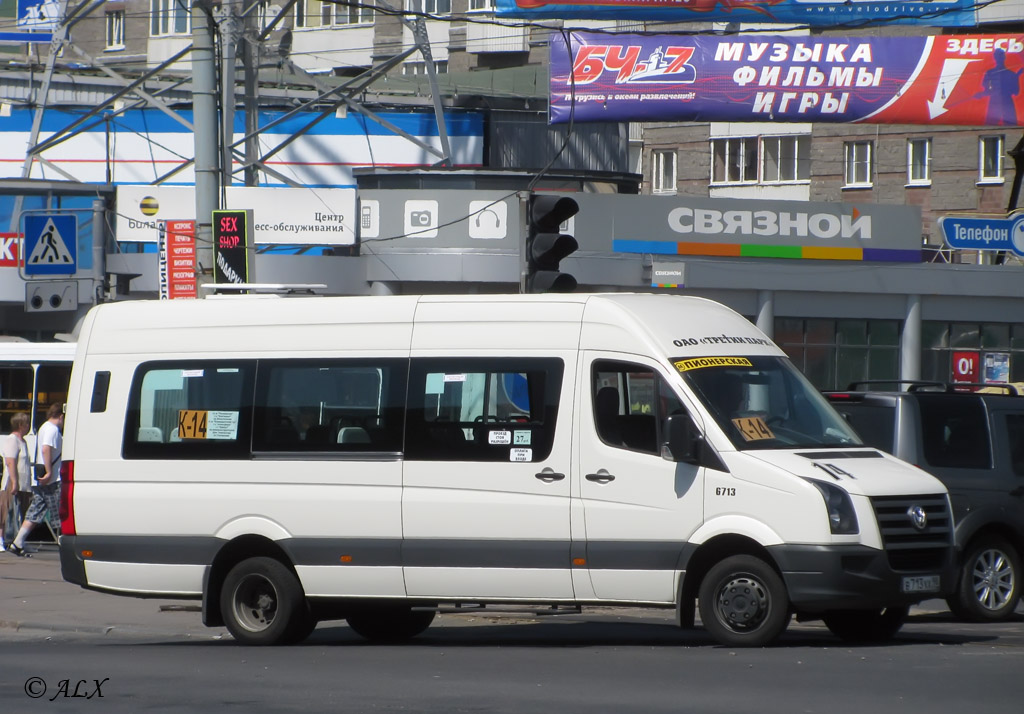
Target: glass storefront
pixel 834 353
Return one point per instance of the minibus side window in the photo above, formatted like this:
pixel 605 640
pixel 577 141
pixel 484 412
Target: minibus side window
pixel 329 405
pixel 631 403
pixel 190 410
pixel 482 409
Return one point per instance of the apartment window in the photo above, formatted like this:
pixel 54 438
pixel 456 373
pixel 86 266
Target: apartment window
pixel 481 5
pixel 734 160
pixel 919 162
pixel 786 158
pixel 115 30
pixel 990 159
pixel 663 171
pixel 170 17
pixel 416 69
pixel 857 163
pixel 431 7
pixel 356 14
pixel 312 13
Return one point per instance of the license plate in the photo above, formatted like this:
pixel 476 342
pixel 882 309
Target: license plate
pixel 921 584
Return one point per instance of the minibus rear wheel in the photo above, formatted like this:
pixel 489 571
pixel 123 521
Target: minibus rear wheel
pixel 743 602
pixel 390 624
pixel 263 604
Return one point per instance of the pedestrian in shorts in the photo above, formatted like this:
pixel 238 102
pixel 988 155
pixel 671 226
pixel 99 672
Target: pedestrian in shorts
pixel 46 490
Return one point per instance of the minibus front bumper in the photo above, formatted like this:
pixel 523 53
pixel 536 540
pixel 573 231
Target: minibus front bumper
pixel 839 577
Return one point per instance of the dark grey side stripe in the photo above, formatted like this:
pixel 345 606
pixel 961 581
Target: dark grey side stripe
pixel 388 552
pixel 456 553
pixel 637 555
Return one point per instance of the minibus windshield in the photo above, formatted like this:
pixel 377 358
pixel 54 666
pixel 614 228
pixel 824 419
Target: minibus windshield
pixel 765 403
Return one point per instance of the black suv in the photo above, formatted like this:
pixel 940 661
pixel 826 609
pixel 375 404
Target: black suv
pixel 973 441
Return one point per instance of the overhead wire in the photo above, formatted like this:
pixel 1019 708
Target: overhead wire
pixel 659 27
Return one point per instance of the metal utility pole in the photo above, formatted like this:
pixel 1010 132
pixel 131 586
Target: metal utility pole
pixel 204 107
pixel 251 101
pixel 230 34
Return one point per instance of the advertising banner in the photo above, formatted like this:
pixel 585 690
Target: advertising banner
pixel 816 13
pixel 960 80
pixel 177 261
pixel 308 216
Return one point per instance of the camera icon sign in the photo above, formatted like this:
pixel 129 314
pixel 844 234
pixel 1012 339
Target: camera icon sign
pixel 421 219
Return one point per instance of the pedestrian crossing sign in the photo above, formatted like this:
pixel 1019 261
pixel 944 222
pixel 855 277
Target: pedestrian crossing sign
pixel 51 244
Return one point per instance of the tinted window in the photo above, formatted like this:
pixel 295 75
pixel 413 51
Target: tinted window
pixel 190 410
pixel 470 409
pixel 875 424
pixel 329 405
pixel 1015 435
pixel 955 431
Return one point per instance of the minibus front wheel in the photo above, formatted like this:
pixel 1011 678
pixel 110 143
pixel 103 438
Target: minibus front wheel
pixel 263 603
pixel 743 602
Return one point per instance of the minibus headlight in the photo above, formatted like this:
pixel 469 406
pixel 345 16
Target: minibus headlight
pixel 842 519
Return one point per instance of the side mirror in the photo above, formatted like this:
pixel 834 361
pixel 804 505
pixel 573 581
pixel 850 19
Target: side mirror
pixel 683 441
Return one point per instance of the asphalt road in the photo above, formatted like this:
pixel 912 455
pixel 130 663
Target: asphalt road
pixel 155 656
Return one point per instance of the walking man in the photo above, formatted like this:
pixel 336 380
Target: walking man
pixel 46 491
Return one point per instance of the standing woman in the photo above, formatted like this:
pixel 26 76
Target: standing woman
pixel 16 477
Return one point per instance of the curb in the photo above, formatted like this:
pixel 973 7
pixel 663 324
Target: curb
pixel 44 627
pixel 19 626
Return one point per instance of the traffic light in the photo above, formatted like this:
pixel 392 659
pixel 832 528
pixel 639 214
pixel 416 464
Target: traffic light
pixel 545 246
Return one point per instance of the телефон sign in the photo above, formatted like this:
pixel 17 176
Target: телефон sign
pixel 973 233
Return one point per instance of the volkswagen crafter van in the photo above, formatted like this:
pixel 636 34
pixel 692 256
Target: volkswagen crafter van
pixel 374 459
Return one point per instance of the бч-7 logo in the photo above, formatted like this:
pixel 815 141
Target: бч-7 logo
pixel 668 65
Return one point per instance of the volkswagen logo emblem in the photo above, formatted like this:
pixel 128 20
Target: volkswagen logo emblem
pixel 918 517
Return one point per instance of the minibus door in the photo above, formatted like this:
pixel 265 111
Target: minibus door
pixel 485 504
pixel 639 508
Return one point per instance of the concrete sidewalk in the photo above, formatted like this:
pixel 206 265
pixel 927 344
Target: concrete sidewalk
pixel 34 597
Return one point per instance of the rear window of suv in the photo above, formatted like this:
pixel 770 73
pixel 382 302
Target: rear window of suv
pixel 955 431
pixel 874 423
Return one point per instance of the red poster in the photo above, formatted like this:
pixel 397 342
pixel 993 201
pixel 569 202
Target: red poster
pixel 966 367
pixel 181 260
pixel 9 249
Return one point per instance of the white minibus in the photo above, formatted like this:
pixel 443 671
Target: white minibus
pixel 376 459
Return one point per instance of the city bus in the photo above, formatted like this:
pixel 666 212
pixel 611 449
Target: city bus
pixel 33 375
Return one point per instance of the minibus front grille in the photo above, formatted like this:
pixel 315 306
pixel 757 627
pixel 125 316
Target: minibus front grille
pixel 910 543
